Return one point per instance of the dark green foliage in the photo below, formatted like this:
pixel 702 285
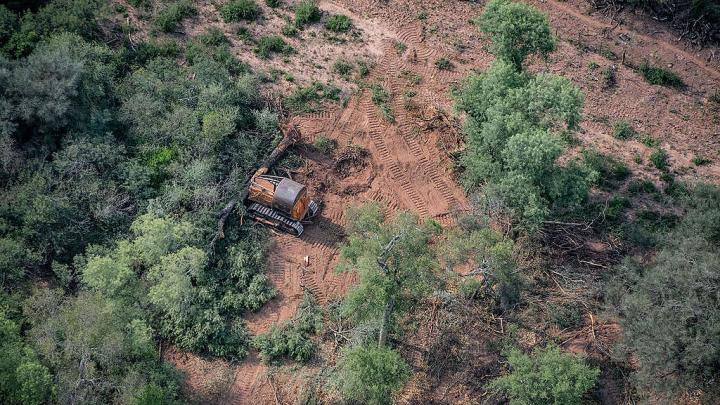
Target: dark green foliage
pixel 270 44
pixel 609 170
pixel 548 376
pixel 660 76
pixel 659 159
pixel 649 141
pixel 147 51
pixel 236 10
pixel 273 3
pixel 170 17
pixel 338 23
pixel 567 315
pixel 325 145
pixel 517 30
pixel 88 338
pixel 511 148
pixel 648 227
pixel 668 308
pixel 342 67
pixel 623 130
pixel 608 75
pixel 8 24
pixel 289 29
pixel 74 16
pixel 642 186
pixel 307 12
pixel 213 37
pixel 381 98
pixel 292 340
pixel 371 374
pixel 23 378
pixel 701 161
pixel 213 45
pixel 443 64
pixel 307 99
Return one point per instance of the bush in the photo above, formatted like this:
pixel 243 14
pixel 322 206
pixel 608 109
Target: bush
pixel 307 99
pixel 623 130
pixel 338 23
pixel 342 67
pixel 668 308
pixel 292 340
pixel 381 98
pixel 289 29
pixel 236 10
pixel 169 17
pixel 273 3
pixel 659 159
pixel 660 76
pixel 267 45
pixel 609 169
pixel 325 145
pixel 548 376
pixel 517 30
pixel 443 64
pixel 701 161
pixel 371 374
pixel 307 12
pixel 213 37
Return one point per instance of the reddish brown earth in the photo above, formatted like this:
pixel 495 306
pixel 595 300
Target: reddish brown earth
pixel 408 166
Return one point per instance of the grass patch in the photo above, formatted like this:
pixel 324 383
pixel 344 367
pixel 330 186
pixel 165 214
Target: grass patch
pixel 443 64
pixel 338 23
pixel 700 161
pixel 660 76
pixel 237 10
pixel 642 186
pixel 609 169
pixel 381 98
pixel 342 67
pixel 608 76
pixel 213 37
pixel 623 130
pixel 659 159
pixel 170 17
pixel 649 141
pixel 270 44
pixel 273 3
pixel 307 99
pixel 307 12
pixel 363 68
pixel 400 47
pixel 325 145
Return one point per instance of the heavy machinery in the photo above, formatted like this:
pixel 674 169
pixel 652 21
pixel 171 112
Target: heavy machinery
pixel 279 202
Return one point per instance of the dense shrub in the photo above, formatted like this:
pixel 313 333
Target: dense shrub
pixel 517 30
pixel 308 98
pixel 659 158
pixel 371 374
pixel 269 44
pixel 292 340
pixel 236 10
pixel 660 76
pixel 548 376
pixel 338 23
pixel 668 308
pixel 169 17
pixel 342 67
pixel 623 130
pixel 307 12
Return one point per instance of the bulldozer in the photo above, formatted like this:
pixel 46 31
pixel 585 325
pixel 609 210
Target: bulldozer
pixel 279 202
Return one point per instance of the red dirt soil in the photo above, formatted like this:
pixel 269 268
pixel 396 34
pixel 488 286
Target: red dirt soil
pixel 408 170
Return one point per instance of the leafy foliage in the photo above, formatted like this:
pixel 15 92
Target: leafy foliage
pixel 236 10
pixel 170 16
pixel 371 374
pixel 517 30
pixel 267 45
pixel 660 76
pixel 623 130
pixel 548 376
pixel 338 23
pixel 511 149
pixel 307 12
pixel 292 340
pixel 669 313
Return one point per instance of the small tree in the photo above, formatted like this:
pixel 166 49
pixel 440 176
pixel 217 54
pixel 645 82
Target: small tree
pixel 393 261
pixel 548 376
pixel 517 30
pixel 371 374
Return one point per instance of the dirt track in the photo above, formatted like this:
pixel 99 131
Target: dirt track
pixel 407 170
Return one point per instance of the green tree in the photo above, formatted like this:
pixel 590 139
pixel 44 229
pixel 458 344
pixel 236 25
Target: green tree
pixel 371 374
pixel 517 30
pixel 548 376
pixel 669 313
pixel 393 261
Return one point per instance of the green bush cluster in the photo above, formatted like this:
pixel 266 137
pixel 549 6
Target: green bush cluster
pixel 660 76
pixel 270 44
pixel 307 12
pixel 514 118
pixel 213 45
pixel 623 130
pixel 292 340
pixel 325 145
pixel 171 15
pixel 338 23
pixel 308 98
pixel 381 98
pixel 236 10
pixel 342 67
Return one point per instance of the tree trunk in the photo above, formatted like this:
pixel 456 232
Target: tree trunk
pixel 385 321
